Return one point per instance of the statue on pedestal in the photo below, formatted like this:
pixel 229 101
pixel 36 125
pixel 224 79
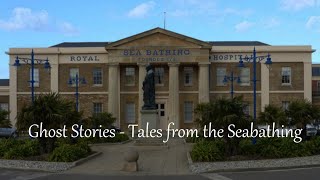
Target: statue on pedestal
pixel 149 90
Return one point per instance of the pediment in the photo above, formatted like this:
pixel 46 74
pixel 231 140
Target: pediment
pixel 158 37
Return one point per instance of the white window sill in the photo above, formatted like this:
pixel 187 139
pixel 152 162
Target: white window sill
pixel 97 85
pixel 286 84
pixel 130 85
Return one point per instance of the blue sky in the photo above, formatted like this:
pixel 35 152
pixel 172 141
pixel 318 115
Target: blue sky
pixel 42 23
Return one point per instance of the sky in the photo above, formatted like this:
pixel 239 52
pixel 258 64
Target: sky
pixel 43 23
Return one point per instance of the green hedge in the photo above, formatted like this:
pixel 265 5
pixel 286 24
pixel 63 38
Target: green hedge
pixel 17 149
pixel 205 150
pixel 69 152
pixel 213 150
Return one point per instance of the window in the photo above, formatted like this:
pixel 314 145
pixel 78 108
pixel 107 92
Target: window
pixel 221 73
pixel 4 106
pixel 285 105
pixel 97 76
pixel 97 108
pixel 130 113
pixel 245 76
pixel 188 72
pixel 246 108
pixel 35 77
pixel 315 71
pixel 188 112
pixel 73 73
pixel 130 76
pixel 158 75
pixel 286 75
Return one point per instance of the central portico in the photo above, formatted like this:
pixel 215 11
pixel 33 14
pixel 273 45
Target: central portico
pixel 172 55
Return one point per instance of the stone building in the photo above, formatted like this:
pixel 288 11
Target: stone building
pixel 187 72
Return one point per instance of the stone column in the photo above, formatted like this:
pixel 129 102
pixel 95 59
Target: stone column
pixel 142 74
pixel 265 90
pixel 13 92
pixel 114 91
pixel 307 76
pixel 204 82
pixel 174 94
pixel 54 75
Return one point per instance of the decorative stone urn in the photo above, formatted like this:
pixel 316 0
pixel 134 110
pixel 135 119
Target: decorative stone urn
pixel 131 157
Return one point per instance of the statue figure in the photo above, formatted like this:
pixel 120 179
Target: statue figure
pixel 149 90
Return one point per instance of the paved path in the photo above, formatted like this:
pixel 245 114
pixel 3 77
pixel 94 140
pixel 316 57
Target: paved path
pixel 153 160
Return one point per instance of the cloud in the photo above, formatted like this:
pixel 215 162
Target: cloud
pixel 313 23
pixel 68 29
pixel 26 19
pixel 297 5
pixel 142 9
pixel 243 26
pixel 271 23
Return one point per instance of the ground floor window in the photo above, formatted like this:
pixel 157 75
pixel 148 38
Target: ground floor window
pixel 285 105
pixel 188 111
pixel 4 106
pixel 130 113
pixel 97 108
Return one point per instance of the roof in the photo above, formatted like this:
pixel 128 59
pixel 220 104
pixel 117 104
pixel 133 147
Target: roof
pixel 81 44
pixel 4 82
pixel 237 43
pixel 213 43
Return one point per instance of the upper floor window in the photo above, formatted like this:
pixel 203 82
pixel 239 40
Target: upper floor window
pixel 97 76
pixel 245 76
pixel 315 71
pixel 35 77
pixel 159 75
pixel 130 113
pixel 188 73
pixel 221 73
pixel 286 75
pixel 73 72
pixel 130 76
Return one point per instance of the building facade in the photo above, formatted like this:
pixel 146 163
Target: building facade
pixel 187 72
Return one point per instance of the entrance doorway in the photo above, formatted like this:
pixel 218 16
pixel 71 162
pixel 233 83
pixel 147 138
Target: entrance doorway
pixel 161 105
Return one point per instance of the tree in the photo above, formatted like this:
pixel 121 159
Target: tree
pixel 51 110
pixel 4 121
pixel 274 114
pixel 104 119
pixel 302 112
pixel 221 113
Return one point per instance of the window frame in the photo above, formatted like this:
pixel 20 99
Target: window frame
pixel 242 77
pixel 73 76
pixel 133 116
pixel 94 108
pixel 188 70
pixel 220 76
pixel 282 76
pixel 94 73
pixel 130 75
pixel 36 77
pixel 156 77
pixel 186 112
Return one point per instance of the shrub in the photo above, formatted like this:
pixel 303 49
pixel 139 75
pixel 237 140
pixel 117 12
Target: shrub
pixel 21 149
pixel 69 153
pixel 247 148
pixel 208 151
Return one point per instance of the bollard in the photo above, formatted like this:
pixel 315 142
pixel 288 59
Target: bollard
pixel 131 157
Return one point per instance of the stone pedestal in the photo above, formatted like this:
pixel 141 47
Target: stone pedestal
pixel 151 117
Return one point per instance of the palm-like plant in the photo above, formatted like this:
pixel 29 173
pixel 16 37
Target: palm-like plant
pixel 49 109
pixel 4 121
pixel 221 113
pixel 273 114
pixel 302 112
